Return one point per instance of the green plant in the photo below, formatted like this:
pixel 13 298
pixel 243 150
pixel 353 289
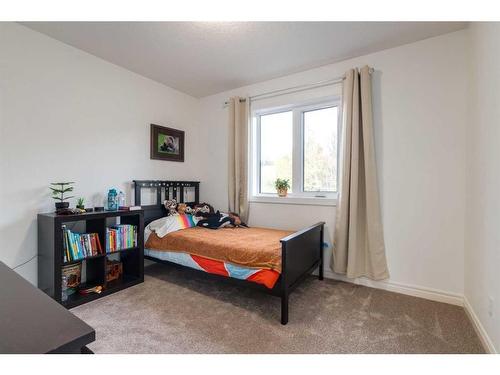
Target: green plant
pixel 80 202
pixel 282 184
pixel 59 189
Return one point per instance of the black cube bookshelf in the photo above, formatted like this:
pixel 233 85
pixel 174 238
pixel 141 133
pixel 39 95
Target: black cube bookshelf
pixel 51 250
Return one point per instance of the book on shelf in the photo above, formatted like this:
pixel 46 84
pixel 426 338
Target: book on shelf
pixel 121 237
pixel 79 246
pixel 129 208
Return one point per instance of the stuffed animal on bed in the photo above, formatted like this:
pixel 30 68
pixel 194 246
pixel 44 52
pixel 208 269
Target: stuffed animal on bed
pixel 171 206
pixel 220 220
pixel 184 209
pixel 237 220
pixel 202 209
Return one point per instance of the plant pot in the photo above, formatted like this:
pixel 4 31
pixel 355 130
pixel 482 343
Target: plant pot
pixel 61 205
pixel 81 207
pixel 282 193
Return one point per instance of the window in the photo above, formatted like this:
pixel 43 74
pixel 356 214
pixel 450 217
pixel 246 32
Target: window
pixel 320 149
pixel 276 149
pixel 298 143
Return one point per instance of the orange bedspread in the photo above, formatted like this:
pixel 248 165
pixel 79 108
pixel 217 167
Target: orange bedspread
pixel 249 247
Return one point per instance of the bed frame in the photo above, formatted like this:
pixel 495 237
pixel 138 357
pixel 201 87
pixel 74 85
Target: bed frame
pixel 301 252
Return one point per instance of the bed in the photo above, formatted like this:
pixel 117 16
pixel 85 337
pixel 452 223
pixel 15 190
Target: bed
pixel 272 261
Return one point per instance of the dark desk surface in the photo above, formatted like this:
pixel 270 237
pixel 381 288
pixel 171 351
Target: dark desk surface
pixel 32 322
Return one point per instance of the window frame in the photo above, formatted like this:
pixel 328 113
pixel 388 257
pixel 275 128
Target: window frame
pixel 299 196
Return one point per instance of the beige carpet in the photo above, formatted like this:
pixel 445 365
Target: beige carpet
pixel 182 311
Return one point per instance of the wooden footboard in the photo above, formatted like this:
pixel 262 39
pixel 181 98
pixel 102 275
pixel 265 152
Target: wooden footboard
pixel 301 254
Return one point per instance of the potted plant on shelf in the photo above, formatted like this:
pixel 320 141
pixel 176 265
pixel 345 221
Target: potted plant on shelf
pixel 282 187
pixel 80 203
pixel 59 189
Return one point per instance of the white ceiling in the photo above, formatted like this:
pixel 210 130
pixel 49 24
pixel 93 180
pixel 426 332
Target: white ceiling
pixel 204 58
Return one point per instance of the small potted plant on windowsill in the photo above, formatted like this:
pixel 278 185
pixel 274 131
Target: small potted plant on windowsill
pixel 58 191
pixel 282 187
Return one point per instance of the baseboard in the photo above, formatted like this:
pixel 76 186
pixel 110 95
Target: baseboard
pixel 478 327
pixel 411 290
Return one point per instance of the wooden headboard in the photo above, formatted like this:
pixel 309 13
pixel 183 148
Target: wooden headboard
pixel 164 190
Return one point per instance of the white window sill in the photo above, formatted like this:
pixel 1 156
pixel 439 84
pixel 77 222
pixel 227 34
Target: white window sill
pixel 306 201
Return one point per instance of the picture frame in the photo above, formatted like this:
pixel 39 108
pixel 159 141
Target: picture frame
pixel 166 143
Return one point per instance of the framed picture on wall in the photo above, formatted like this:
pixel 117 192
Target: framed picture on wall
pixel 166 143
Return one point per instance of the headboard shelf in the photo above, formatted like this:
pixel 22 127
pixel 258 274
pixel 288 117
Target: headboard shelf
pixel 170 190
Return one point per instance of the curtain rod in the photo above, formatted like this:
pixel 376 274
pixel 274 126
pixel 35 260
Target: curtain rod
pixel 291 90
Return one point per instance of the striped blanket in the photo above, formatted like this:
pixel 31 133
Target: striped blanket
pixel 264 276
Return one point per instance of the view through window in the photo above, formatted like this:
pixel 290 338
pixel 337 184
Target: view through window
pixel 320 149
pixel 276 149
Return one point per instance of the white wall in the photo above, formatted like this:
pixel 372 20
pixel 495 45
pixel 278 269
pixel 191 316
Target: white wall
pixel 420 100
pixel 67 115
pixel 482 241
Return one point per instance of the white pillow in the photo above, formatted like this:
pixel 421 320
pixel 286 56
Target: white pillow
pixel 171 223
pixel 153 226
pixel 158 223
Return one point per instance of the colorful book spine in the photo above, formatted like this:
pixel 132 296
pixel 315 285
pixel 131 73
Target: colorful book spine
pixel 121 237
pixel 79 246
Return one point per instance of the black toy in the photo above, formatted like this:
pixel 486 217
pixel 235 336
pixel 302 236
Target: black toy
pixel 220 220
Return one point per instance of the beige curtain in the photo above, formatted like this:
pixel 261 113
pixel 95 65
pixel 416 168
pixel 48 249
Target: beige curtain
pixel 358 248
pixel 238 156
